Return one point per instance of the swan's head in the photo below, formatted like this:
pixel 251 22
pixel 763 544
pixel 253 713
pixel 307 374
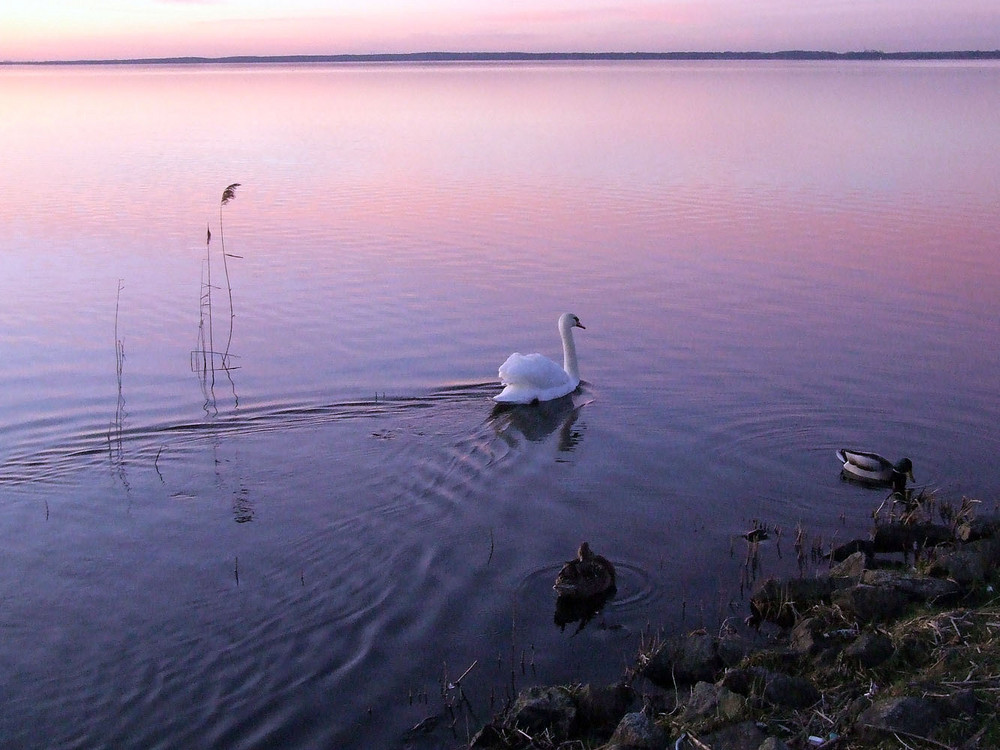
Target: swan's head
pixel 569 320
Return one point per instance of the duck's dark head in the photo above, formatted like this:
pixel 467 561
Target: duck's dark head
pixel 584 553
pixel 904 467
pixel 902 471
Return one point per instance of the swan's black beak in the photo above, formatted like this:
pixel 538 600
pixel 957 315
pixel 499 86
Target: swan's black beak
pixel 578 324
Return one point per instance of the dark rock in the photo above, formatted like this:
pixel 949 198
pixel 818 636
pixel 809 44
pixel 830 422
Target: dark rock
pixel 807 637
pixel 784 601
pixel 868 603
pixel 745 681
pixel 663 701
pixel 778 688
pixel 733 648
pixel 915 588
pixel 684 661
pixel 488 737
pixel 869 650
pixel 962 566
pixel 981 527
pixel 844 551
pixel 709 701
pixel 883 594
pixel 914 650
pixel 704 701
pixel 538 709
pixel 988 552
pixel 638 731
pixel 858 706
pixel 742 736
pixel 851 567
pixel 906 538
pixel 917 716
pixel 731 705
pixel 602 708
pixel 960 704
pixel 793 692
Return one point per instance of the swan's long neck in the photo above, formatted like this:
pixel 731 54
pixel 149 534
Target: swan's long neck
pixel 569 352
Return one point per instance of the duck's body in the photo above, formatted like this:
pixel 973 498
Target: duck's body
pixel 872 468
pixel 532 378
pixel 587 576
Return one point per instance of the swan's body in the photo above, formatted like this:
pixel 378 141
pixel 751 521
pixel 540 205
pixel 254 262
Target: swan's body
pixel 587 576
pixel 873 469
pixel 531 378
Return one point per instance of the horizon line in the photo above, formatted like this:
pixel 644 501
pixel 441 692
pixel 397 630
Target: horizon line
pixel 376 57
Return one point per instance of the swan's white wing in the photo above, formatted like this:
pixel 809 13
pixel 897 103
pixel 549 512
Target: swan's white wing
pixel 532 377
pixel 534 370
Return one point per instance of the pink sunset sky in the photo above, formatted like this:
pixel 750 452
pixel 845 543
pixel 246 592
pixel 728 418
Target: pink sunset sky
pixel 69 29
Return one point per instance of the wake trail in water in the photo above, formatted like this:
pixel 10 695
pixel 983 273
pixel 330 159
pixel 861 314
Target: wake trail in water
pixel 53 458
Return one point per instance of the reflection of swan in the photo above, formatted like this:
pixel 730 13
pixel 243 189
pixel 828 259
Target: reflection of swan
pixel 531 378
pixel 587 576
pixel 537 422
pixel 871 468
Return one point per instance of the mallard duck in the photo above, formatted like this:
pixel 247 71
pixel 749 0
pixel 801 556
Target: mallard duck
pixel 586 576
pixel 871 468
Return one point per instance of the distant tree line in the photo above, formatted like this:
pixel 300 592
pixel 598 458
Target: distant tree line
pixel 539 57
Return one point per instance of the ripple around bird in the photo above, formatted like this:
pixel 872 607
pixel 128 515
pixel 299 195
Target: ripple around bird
pixel 635 586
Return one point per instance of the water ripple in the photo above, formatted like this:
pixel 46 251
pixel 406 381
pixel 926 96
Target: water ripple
pixel 635 586
pixel 51 457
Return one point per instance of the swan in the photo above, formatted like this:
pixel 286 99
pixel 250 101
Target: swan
pixel 531 378
pixel 587 576
pixel 871 468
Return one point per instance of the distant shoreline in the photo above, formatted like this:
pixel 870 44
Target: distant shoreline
pixel 430 57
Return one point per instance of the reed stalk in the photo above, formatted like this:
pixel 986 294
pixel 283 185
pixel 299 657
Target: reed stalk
pixel 119 368
pixel 227 195
pixel 204 350
pixel 207 294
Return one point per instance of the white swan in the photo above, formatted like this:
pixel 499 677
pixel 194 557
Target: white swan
pixel 530 378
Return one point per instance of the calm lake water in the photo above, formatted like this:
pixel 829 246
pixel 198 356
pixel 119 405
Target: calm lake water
pixel 772 260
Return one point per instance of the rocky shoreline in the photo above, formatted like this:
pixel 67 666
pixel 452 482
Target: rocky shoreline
pixel 877 653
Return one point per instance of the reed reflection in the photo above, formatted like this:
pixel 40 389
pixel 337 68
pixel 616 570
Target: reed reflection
pixel 116 451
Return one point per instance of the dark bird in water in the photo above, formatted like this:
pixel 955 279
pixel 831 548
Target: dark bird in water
pixel 586 576
pixel 871 468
